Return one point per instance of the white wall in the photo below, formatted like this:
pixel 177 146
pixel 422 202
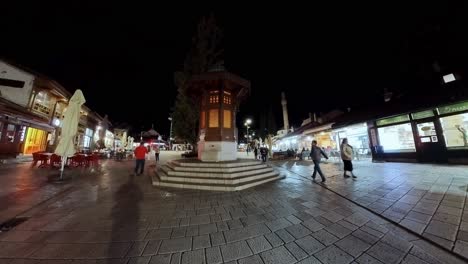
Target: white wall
pixel 17 95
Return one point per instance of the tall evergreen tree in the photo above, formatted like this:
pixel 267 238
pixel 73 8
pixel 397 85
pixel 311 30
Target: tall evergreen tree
pixel 204 54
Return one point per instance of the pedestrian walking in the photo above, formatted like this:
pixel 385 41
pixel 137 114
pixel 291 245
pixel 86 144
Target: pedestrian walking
pixel 156 152
pixel 347 157
pixel 316 153
pixel 256 152
pixel 140 154
pixel 263 153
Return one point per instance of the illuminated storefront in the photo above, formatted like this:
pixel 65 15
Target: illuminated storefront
pixel 433 135
pixel 36 140
pixel 357 136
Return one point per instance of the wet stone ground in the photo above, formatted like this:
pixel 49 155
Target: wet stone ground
pixel 105 215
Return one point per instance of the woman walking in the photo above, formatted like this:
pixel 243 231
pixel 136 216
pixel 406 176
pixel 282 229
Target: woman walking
pixel 347 157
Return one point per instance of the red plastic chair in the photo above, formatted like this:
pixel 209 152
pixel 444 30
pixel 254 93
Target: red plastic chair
pixel 55 160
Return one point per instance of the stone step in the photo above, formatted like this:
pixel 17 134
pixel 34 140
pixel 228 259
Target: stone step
pixel 197 164
pixel 226 181
pixel 175 167
pixel 214 187
pixel 172 172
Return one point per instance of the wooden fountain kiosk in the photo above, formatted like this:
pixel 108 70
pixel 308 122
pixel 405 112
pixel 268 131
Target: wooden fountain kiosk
pixel 217 167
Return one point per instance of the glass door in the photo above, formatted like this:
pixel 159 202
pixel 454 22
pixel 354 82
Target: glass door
pixel 430 146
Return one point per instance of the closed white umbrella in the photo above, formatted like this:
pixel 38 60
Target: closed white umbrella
pixel 66 146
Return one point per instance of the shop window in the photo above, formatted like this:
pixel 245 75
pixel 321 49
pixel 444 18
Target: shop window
pixel 214 118
pixel 202 119
pixel 10 134
pixel 398 138
pixel 227 98
pixel 42 103
pixel 36 140
pixel 87 138
pixel 427 132
pixel 227 118
pixel 455 130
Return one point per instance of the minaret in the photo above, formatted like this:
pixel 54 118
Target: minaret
pixel 285 111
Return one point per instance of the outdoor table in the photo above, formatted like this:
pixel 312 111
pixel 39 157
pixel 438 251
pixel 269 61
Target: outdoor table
pixel 46 157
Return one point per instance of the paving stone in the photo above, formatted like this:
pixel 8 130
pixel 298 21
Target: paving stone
pixel 160 259
pixel 201 242
pixel 222 226
pixel 139 260
pixel 333 255
pixel 413 225
pixel 410 259
pixel 245 233
pixel 199 220
pixel 213 255
pixel 234 251
pixel 446 218
pixel 207 229
pixel 309 244
pixel 371 231
pixel 366 237
pixel 137 249
pixel 159 234
pixel 310 260
pixel 353 245
pixel 176 258
pixel 348 225
pixel 192 231
pixel 418 217
pixel 217 239
pixel 338 230
pixel 396 242
pixel 285 236
pixel 449 210
pixel 176 245
pixel 386 253
pixel 441 241
pixel 278 224
pixel 152 247
pixel 184 222
pixel 293 219
pixel 298 231
pixel 259 244
pixel 332 216
pixel 325 237
pixel 443 230
pixel 255 259
pixel 194 257
pixel 235 224
pixel 313 225
pixel 178 232
pixel 435 252
pixel 366 259
pixel 296 251
pixel 279 255
pixel 274 240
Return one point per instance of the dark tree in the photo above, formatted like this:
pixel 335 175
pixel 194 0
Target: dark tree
pixel 204 54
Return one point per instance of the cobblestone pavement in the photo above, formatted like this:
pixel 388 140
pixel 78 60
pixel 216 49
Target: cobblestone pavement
pixel 427 199
pixel 109 216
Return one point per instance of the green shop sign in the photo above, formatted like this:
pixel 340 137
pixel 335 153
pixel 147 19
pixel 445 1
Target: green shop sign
pixel 460 107
pixel 392 120
pixel 422 114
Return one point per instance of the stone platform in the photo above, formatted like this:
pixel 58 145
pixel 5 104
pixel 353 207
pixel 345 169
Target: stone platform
pixel 215 176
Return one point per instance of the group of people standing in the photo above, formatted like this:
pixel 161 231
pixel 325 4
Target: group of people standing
pixel 346 150
pixel 259 152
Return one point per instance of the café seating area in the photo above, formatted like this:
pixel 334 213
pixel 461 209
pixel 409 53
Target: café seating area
pixel 51 160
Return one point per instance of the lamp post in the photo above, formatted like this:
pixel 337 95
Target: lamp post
pixel 170 133
pixel 247 125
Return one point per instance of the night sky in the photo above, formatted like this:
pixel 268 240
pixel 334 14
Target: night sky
pixel 323 57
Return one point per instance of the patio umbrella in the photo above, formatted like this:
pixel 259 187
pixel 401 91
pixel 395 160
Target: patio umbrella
pixel 66 146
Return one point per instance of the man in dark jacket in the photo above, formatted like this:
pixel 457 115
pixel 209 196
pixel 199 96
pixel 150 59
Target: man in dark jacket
pixel 316 154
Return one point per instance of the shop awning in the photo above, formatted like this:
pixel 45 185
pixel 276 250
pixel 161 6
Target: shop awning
pixel 35 124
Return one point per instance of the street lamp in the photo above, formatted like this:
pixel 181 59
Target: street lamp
pixel 170 133
pixel 247 125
